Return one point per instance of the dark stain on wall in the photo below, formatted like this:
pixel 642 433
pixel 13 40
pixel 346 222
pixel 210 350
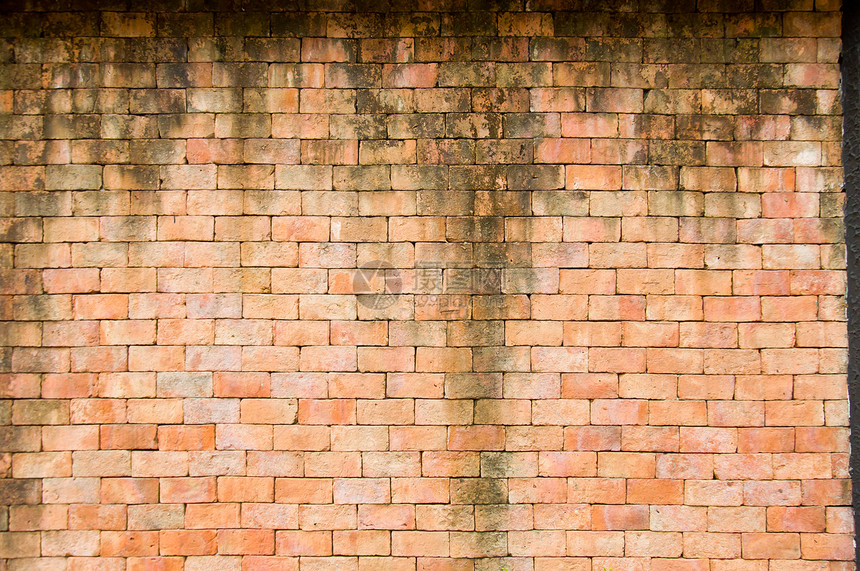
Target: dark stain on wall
pixel 851 166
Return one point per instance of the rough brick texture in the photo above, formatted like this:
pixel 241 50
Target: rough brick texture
pixel 423 285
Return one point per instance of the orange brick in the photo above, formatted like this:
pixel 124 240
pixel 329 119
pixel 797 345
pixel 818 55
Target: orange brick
pixel 180 542
pixel 771 545
pixel 328 359
pixel 245 489
pixel 655 491
pixel 832 546
pixel 729 413
pixel 165 563
pixel 743 466
pixel 327 517
pixel 127 437
pixel 624 464
pixel 596 543
pixel 674 360
pixel 628 517
pixel 246 541
pixel 648 439
pixel 206 516
pixel 129 544
pixel 187 490
pixel 401 359
pixel 69 385
pixel 129 490
pixel 589 385
pixel 297 490
pixel 361 491
pixel 613 412
pixel 688 466
pixel 772 493
pixel 765 440
pixel 795 519
pixel 476 438
pixel 246 385
pixel 424 543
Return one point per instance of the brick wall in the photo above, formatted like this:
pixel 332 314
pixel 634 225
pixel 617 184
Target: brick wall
pixel 443 289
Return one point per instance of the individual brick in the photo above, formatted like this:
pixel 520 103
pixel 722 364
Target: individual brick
pixel 243 126
pixel 410 75
pixel 466 74
pixel 184 75
pixel 359 126
pixel 303 177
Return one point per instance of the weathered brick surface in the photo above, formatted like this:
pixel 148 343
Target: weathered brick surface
pixel 422 286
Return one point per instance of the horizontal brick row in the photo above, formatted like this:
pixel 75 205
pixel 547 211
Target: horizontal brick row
pixel 598 167
pixel 480 20
pixel 333 242
pixel 308 545
pixel 429 359
pixel 602 84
